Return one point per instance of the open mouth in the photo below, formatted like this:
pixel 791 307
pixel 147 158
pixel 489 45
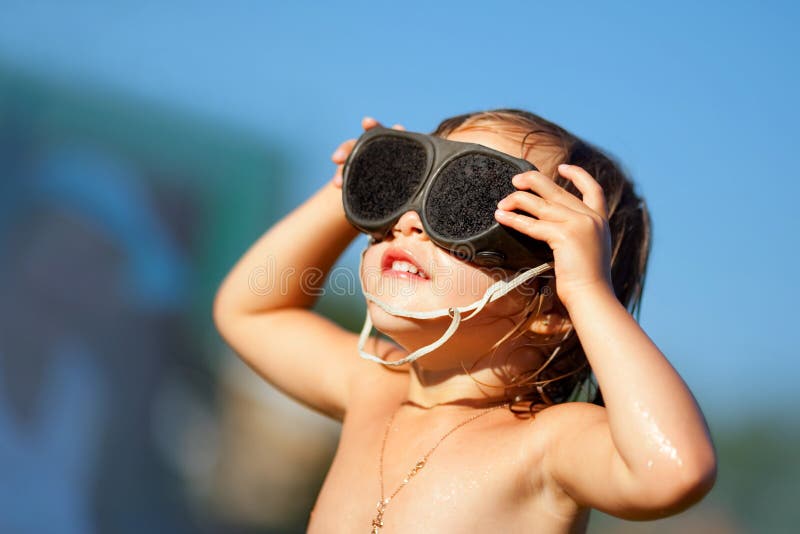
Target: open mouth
pixel 400 263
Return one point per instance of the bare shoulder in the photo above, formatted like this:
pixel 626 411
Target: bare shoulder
pixel 547 430
pixel 567 417
pixel 563 422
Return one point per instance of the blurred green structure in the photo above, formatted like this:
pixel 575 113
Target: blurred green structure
pixel 235 178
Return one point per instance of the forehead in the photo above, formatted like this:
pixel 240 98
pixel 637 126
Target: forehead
pixel 544 156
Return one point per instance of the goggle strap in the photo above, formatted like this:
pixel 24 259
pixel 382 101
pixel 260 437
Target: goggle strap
pixel 414 355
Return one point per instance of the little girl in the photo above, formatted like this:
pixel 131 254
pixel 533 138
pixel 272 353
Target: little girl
pixel 483 433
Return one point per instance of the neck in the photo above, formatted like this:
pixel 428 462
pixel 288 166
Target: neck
pixel 481 382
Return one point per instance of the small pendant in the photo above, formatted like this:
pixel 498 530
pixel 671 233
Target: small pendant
pixel 377 523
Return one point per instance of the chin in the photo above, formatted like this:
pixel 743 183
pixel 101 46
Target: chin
pixel 405 330
pixel 388 323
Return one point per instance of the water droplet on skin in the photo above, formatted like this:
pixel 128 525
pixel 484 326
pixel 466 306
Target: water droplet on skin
pixel 657 437
pixel 443 497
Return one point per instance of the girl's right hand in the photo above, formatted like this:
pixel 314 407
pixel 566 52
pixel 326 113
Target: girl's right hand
pixel 343 150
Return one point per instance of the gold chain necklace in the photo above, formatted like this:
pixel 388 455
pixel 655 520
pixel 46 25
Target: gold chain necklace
pixel 377 523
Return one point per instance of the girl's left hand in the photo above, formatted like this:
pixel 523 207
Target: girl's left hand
pixel 577 230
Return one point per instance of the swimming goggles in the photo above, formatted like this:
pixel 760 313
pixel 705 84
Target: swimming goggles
pixel 453 186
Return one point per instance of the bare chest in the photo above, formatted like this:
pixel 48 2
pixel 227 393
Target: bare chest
pixel 479 478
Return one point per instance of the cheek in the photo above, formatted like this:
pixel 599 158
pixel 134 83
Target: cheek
pixel 370 267
pixel 464 283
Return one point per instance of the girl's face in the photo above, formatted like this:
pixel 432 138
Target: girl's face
pixel 441 279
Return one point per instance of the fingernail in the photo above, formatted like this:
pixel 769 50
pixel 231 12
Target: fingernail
pixel 500 213
pixel 563 166
pixel 339 153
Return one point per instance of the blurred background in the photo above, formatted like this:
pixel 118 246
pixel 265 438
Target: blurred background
pixel 145 145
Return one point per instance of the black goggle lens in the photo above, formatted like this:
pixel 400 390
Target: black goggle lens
pixel 464 196
pixel 384 176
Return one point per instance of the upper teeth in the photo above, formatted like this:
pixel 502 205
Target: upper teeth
pixel 398 265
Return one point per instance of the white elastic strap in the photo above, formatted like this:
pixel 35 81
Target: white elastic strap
pixel 493 292
pixel 414 355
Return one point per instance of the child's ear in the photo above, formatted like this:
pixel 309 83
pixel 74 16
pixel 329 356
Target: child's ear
pixel 553 319
pixel 550 323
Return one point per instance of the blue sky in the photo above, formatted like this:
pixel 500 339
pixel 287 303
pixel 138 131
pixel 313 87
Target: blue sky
pixel 698 101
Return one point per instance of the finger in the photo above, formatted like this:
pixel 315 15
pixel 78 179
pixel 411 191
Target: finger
pixel 535 205
pixel 338 178
pixel 342 151
pixel 546 188
pixel 399 127
pixel 537 229
pixel 591 190
pixel 369 123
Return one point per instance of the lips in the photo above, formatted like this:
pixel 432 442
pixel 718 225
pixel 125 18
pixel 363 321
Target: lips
pixel 396 254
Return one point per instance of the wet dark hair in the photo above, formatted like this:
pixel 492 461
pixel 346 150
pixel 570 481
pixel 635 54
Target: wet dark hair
pixel 629 223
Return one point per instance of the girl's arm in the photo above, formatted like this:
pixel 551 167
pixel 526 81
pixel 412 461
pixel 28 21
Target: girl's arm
pixel 648 453
pixel 262 308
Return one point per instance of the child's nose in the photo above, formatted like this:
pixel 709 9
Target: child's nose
pixel 409 223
